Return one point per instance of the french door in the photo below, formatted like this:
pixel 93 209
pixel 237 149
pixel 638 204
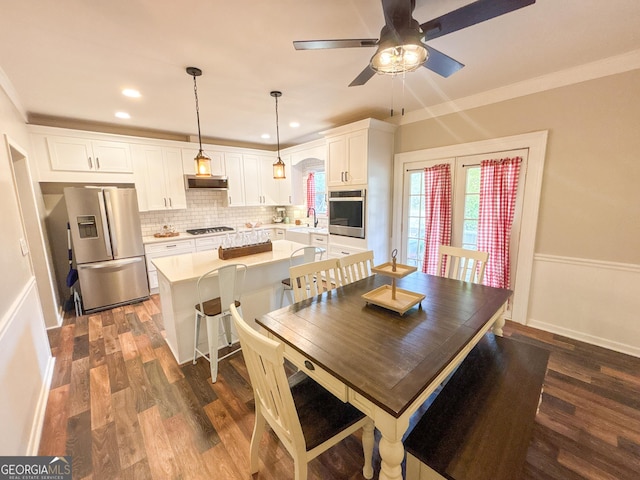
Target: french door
pixel 465 190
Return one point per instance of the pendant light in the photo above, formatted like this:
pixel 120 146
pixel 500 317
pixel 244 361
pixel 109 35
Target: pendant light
pixel 203 163
pixel 278 167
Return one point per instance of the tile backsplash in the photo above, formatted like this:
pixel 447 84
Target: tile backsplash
pixel 207 208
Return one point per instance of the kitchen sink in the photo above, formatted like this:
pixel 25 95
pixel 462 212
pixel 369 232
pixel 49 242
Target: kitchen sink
pixel 303 234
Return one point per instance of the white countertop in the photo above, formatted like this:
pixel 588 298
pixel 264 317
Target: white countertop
pixel 190 266
pixel 187 236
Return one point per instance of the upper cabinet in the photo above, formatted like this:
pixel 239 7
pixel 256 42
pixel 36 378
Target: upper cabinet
pixel 355 151
pixel 159 177
pixel 251 181
pixel 347 159
pixel 84 155
pixel 62 155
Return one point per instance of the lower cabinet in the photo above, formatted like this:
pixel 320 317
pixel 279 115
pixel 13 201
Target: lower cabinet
pixel 337 251
pixel 164 249
pixel 208 243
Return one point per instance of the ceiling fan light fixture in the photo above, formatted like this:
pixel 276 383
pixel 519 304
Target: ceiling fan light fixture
pixel 399 58
pixel 202 162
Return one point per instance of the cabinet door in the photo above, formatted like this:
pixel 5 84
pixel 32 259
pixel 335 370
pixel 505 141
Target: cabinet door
pixel 336 160
pixel 233 167
pixel 150 178
pixel 356 172
pixel 70 154
pixel 252 180
pixel 112 157
pixel 174 178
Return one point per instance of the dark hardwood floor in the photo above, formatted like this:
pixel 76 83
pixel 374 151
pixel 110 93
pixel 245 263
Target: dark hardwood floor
pixel 122 407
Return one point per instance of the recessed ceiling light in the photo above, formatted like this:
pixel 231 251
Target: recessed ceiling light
pixel 123 115
pixel 130 92
pixel 294 124
pixel 266 136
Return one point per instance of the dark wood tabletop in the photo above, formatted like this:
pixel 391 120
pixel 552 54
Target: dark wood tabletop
pixel 388 358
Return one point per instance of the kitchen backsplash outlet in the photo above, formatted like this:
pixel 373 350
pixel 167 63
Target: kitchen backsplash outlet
pixel 206 208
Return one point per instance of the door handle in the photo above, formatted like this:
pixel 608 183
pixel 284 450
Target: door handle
pixel 97 163
pixel 170 204
pixel 90 164
pixel 109 206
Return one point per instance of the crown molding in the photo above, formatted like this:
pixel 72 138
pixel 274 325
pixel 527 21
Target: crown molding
pixel 589 71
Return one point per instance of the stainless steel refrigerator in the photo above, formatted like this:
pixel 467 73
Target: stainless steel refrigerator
pixel 107 245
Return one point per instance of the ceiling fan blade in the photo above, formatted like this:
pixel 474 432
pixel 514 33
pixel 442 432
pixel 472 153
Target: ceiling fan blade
pixel 364 77
pixel 468 15
pixel 345 43
pixel 440 63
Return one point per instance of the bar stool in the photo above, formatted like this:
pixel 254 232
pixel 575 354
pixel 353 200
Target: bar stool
pixel 231 282
pixel 309 254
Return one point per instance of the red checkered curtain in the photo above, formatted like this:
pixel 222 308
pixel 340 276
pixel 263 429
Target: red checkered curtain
pixel 311 191
pixel 437 212
pixel 498 189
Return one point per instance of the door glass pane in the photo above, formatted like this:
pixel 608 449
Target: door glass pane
pixel 471 208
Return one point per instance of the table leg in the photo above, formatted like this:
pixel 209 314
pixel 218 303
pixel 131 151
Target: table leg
pixel 497 326
pixel 391 454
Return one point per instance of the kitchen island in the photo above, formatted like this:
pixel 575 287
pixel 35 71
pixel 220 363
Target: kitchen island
pixel 177 277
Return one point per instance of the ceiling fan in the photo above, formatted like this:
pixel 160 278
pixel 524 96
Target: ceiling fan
pixel 401 46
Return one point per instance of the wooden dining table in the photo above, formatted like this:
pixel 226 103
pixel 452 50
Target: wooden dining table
pixel 384 363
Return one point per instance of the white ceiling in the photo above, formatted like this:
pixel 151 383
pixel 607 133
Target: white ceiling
pixel 72 58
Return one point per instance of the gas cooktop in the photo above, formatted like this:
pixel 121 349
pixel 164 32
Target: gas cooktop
pixel 202 231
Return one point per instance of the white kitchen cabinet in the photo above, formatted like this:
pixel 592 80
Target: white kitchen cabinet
pixel 164 249
pixel 252 180
pixel 208 243
pixel 86 155
pixel 278 233
pixel 347 158
pixel 319 240
pixel 159 177
pixel 217 160
pixel 235 173
pixel 337 251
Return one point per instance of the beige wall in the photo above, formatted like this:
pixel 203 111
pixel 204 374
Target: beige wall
pixel 590 205
pixel 25 357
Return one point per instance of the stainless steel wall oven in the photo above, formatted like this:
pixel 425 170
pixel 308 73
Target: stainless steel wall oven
pixel 347 209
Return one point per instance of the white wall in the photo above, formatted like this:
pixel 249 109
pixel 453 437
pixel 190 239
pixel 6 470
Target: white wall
pixel 25 358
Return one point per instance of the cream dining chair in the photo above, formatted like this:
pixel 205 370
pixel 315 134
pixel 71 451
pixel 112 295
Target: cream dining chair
pixel 307 419
pixel 230 284
pixel 356 266
pixel 311 279
pixel 462 264
pixel 306 254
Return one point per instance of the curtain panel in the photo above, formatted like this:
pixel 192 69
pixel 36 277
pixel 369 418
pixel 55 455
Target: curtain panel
pixel 437 212
pixel 311 191
pixel 498 189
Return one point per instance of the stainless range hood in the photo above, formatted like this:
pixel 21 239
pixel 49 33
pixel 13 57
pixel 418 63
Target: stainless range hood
pixel 215 182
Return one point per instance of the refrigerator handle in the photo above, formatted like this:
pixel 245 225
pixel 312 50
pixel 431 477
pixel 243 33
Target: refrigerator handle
pixel 105 222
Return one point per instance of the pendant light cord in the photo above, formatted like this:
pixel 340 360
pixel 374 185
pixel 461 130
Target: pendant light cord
pixel 195 92
pixel 277 128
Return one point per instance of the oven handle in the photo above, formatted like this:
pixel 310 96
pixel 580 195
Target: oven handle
pixel 346 199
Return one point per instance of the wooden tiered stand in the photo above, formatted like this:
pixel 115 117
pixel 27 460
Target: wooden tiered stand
pixel 389 296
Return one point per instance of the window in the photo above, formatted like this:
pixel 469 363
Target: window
pixel 321 193
pixel 471 208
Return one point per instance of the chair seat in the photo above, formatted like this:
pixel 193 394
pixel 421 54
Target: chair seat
pixel 213 307
pixel 322 415
pixel 287 282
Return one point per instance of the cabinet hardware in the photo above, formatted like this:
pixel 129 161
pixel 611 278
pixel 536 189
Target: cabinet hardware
pixel 97 163
pixel 292 202
pixel 345 253
pixel 170 204
pixel 165 201
pixel 229 200
pixel 309 365
pixel 346 176
pixel 170 246
pixel 90 164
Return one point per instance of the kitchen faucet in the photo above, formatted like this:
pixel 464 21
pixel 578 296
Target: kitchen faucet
pixel 315 219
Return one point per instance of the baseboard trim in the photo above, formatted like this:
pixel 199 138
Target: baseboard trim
pixel 38 419
pixel 583 337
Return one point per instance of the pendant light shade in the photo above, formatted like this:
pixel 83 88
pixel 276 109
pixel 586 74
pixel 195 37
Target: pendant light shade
pixel 278 166
pixel 202 162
